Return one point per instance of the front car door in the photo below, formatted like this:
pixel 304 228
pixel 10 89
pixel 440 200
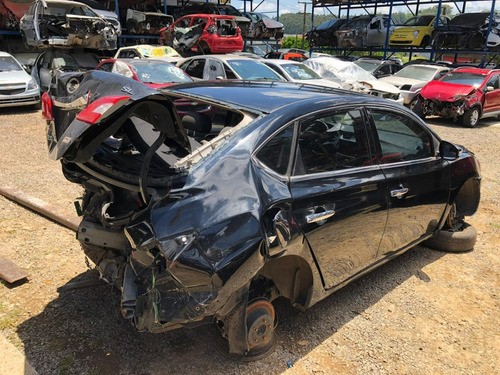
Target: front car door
pixel 338 195
pixel 492 98
pixel 418 179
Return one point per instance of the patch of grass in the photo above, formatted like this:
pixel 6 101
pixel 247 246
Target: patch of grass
pixel 9 319
pixel 64 366
pixel 495 225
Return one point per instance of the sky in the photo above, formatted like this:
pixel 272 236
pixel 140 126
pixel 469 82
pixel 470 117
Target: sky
pixel 293 6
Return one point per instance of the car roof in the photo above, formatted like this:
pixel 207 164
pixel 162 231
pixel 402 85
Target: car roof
pixel 266 97
pixel 206 15
pixel 226 57
pixel 5 54
pixel 474 70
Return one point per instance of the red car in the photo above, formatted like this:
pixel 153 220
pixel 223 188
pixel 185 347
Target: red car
pixel 152 72
pixel 466 93
pixel 203 33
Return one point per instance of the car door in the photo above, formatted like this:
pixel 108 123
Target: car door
pixel 338 196
pixel 418 180
pixel 194 68
pixel 213 70
pixel 492 98
pixel 45 69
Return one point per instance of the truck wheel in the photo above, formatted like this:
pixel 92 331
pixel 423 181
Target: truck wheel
pixel 456 240
pixel 471 117
pixel 416 107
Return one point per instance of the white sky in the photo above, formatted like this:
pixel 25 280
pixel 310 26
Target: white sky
pixel 293 6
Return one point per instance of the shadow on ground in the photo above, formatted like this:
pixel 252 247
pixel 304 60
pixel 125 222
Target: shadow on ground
pixel 82 332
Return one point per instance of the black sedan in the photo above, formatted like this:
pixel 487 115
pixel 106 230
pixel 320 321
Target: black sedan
pixel 281 190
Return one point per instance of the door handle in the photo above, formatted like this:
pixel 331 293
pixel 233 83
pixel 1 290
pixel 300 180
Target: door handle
pixel 399 193
pixel 320 216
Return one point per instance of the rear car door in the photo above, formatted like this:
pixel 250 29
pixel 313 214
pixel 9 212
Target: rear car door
pixel 338 195
pixel 418 180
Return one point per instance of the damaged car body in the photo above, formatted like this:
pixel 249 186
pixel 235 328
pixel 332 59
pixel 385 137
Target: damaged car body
pixel 209 219
pixel 147 20
pixel 62 23
pixel 263 27
pixel 468 94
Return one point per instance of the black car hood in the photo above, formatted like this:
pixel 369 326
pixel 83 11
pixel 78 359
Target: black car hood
pixel 469 20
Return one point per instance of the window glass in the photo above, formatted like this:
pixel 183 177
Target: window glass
pixel 333 142
pixel 106 67
pixel 400 138
pixel 276 152
pixel 493 82
pixel 195 68
pixel 215 70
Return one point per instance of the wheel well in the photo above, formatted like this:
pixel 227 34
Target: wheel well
pixel 467 198
pixel 293 278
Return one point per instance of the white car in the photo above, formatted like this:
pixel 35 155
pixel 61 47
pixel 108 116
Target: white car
pixel 17 88
pixel 412 78
pixel 352 77
pixel 294 71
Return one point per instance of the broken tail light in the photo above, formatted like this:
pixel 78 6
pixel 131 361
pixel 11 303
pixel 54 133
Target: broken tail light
pixel 47 107
pixel 101 108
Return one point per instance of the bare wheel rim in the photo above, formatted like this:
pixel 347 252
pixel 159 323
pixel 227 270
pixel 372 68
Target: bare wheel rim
pixel 474 116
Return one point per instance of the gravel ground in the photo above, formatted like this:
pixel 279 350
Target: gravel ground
pixel 424 312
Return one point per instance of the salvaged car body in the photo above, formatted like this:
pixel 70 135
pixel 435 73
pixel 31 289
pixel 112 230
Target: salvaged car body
pixel 17 88
pixel 208 220
pixel 203 33
pixel 379 68
pixel 364 31
pixel 416 32
pixel 147 21
pixel 466 93
pixel 412 78
pixel 352 77
pixel 52 63
pixel 60 23
pixel 146 51
pixel 324 34
pixel 263 27
pixel 468 31
pixel 295 71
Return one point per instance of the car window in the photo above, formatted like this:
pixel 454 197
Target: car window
pixel 195 68
pixel 215 70
pixel 129 54
pixel 333 142
pixel 400 137
pixel 494 82
pixel 9 64
pixel 253 70
pixel 275 153
pixel 107 67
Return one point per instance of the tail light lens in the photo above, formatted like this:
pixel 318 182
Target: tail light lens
pixel 238 31
pixel 47 107
pixel 101 108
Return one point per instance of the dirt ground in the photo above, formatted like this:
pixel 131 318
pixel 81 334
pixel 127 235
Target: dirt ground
pixel 425 312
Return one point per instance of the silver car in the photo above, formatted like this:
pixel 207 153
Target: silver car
pixel 61 23
pixel 17 88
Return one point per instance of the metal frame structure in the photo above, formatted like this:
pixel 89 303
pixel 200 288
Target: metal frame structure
pixel 372 6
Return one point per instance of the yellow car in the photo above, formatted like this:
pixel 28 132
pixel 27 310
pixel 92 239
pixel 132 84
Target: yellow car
pixel 416 32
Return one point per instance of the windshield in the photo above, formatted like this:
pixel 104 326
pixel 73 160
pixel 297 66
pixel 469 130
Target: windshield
pixel 9 64
pixel 463 78
pixel 356 23
pixel 61 9
pixel 421 73
pixel 300 71
pixel 253 70
pixel 326 25
pixel 159 72
pixel 369 66
pixel 419 21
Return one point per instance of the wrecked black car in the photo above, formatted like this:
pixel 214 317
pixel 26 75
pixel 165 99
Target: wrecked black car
pixel 324 34
pixel 60 23
pixel 468 31
pixel 281 190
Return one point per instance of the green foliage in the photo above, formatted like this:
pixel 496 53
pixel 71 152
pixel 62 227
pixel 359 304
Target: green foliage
pixel 294 42
pixel 294 22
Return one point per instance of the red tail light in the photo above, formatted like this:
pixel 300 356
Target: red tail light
pixel 238 31
pixel 102 107
pixel 47 107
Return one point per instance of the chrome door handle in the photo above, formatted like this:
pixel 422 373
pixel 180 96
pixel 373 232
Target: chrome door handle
pixel 399 193
pixel 320 216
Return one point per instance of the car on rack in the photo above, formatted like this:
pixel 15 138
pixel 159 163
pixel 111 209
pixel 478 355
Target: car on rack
pixel 469 94
pixel 218 9
pixel 17 87
pixel 416 31
pixel 469 31
pixel 223 67
pixel 287 54
pixel 152 72
pixel 324 34
pixel 411 78
pixel 263 27
pixel 203 34
pixel 287 191
pixel 146 19
pixel 108 15
pixel 352 77
pixel 379 68
pixel 295 71
pixel 364 31
pixel 61 23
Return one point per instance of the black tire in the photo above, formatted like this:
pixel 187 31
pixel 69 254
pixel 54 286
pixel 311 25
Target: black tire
pixel 416 107
pixel 461 240
pixel 471 117
pixel 425 42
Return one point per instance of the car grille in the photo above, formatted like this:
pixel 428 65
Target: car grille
pixel 27 99
pixel 12 88
pixel 11 91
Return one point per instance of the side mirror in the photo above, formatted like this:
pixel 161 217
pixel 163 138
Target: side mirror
pixel 489 89
pixel 448 151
